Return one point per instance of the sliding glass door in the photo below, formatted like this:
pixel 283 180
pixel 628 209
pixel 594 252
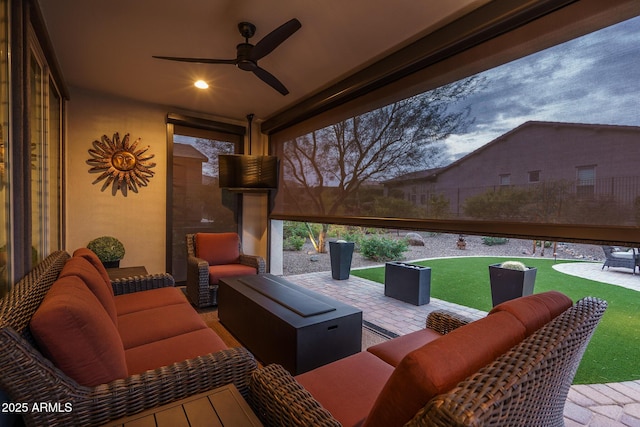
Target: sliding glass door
pixel 198 204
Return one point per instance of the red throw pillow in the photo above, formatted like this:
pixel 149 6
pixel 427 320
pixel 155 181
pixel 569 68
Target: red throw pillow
pixel 441 364
pixel 80 267
pixel 218 248
pixel 91 256
pixel 535 311
pixel 76 334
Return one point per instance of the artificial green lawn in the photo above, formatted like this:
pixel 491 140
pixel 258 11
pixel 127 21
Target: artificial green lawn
pixel 612 354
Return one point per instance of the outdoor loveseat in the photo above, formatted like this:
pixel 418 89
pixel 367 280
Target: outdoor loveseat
pixel 512 368
pixel 102 350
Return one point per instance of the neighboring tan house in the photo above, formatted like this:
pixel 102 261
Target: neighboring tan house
pixel 532 154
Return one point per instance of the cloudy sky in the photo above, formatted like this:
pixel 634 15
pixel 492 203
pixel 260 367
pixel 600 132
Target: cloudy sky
pixel 593 79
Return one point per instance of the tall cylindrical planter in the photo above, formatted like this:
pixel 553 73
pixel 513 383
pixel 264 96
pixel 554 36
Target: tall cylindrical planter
pixel 507 284
pixel 341 254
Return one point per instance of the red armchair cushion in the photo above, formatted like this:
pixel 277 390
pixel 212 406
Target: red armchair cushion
pixel 80 267
pixel 393 351
pixel 76 334
pixel 172 350
pixel 348 387
pixel 218 248
pixel 91 256
pixel 534 311
pixel 438 366
pixel 217 272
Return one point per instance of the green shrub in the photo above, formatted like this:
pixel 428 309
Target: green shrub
pixel 293 228
pixel 493 241
pixel 107 248
pixel 293 243
pixel 383 248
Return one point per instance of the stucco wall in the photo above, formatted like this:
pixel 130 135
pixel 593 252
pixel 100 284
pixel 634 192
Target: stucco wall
pixel 138 219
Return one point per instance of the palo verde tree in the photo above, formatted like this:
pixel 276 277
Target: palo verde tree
pixel 326 170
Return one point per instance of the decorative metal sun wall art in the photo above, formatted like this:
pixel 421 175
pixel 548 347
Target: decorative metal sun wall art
pixel 120 163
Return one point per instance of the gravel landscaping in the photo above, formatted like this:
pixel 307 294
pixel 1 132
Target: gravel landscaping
pixel 440 245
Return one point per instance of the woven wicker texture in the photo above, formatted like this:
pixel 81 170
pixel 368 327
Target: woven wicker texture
pixel 199 291
pixel 527 386
pixel 27 376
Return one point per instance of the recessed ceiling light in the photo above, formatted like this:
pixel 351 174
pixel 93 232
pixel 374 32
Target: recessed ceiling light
pixel 201 84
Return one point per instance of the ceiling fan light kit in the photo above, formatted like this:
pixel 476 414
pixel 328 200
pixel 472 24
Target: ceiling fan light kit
pixel 247 54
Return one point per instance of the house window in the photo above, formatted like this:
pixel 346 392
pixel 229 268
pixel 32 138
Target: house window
pixel 585 181
pixel 534 176
pixel 505 179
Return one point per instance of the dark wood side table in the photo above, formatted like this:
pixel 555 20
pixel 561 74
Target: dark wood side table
pixel 121 273
pixel 223 406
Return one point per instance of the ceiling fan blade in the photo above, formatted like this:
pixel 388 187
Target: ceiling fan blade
pixel 199 60
pixel 274 39
pixel 270 79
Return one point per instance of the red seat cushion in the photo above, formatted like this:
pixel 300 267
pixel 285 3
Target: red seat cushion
pixel 217 272
pixel 438 366
pixel 348 387
pixel 144 327
pixel 218 248
pixel 80 267
pixel 534 311
pixel 171 350
pixel 76 334
pixel 91 256
pixel 153 298
pixel 393 351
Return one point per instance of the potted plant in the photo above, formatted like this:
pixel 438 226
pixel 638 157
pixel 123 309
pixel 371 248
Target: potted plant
pixel 509 280
pixel 109 249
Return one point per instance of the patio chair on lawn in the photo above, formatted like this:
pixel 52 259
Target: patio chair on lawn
pixel 620 258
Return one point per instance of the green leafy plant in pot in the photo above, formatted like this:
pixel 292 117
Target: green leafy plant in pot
pixel 509 280
pixel 109 249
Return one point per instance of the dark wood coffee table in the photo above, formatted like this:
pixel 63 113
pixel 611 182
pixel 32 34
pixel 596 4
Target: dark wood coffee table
pixel 283 323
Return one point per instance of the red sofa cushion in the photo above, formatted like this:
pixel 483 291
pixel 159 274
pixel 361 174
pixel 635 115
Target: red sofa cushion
pixel 348 387
pixel 438 366
pixel 80 267
pixel 218 248
pixel 153 298
pixel 76 334
pixel 171 350
pixel 91 256
pixel 393 351
pixel 534 311
pixel 217 272
pixel 144 327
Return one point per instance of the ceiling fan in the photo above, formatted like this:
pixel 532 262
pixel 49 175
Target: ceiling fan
pixel 248 55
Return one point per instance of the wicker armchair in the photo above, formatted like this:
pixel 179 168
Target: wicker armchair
pixel 202 274
pixel 527 385
pixel 618 258
pixel 27 376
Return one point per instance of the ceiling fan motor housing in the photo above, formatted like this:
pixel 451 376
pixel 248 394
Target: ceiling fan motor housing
pixel 244 61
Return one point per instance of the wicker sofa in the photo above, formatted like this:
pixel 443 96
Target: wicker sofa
pixel 512 368
pixel 162 355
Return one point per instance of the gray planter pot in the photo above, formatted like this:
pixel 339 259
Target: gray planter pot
pixel 507 284
pixel 341 254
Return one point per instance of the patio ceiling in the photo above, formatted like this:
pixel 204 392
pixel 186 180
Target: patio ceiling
pixel 106 46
